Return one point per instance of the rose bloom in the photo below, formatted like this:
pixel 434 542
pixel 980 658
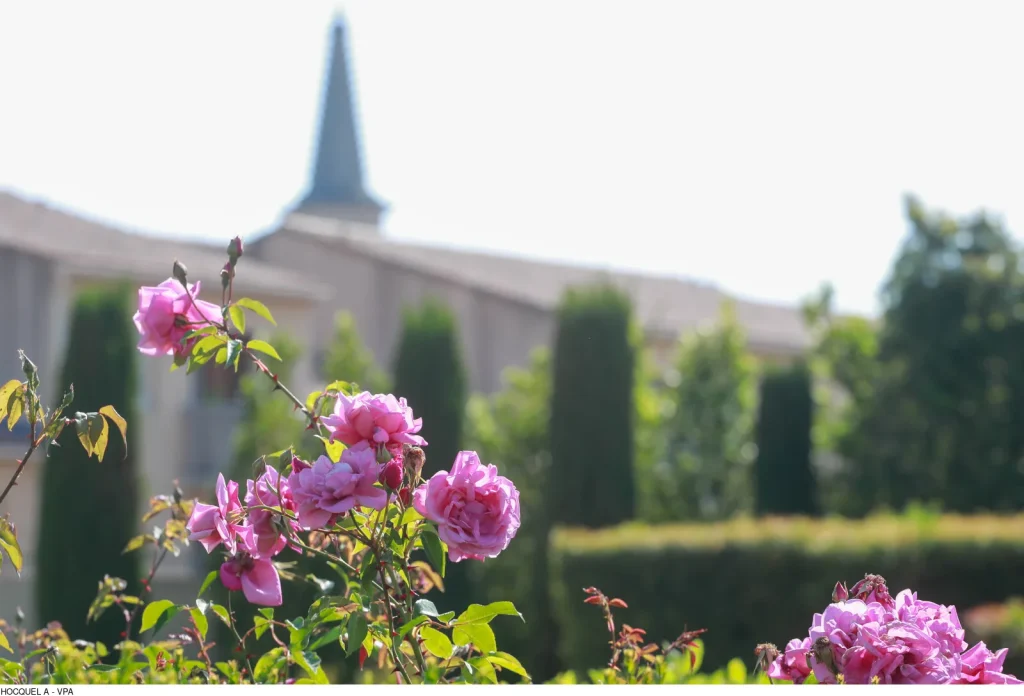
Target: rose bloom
pixel 212 525
pixel 168 312
pixel 268 490
pixel 476 510
pixel 256 578
pixel 378 419
pixel 326 490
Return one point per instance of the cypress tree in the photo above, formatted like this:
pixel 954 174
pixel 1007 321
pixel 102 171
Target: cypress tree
pixel 348 358
pixel 89 508
pixel 784 475
pixel 592 414
pixel 430 375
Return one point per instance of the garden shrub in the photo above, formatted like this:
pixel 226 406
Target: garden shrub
pixel 760 581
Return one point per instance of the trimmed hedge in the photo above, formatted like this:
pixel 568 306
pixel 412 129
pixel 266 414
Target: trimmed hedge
pixel 750 582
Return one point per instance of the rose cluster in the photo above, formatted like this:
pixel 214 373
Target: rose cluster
pixel 167 313
pixel 475 509
pixel 866 636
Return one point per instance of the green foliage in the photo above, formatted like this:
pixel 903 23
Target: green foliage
pixel 348 358
pixel 429 373
pixel 756 581
pixel 511 427
pixel 784 475
pixel 710 435
pixel 943 420
pixel 100 363
pixel 592 411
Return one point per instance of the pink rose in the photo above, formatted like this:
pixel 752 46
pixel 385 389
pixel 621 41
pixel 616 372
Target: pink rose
pixel 982 666
pixel 168 312
pixel 475 509
pixel 269 490
pixel 212 525
pixel 257 578
pixel 791 664
pixel 378 419
pixel 326 490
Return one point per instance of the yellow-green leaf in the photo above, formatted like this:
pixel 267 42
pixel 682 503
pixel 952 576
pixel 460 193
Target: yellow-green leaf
pixel 99 434
pixel 237 317
pixel 480 635
pixel 134 543
pixel 199 619
pixel 82 430
pixel 222 613
pixel 506 661
pixel 256 307
pixel 15 406
pixel 5 395
pixel 4 644
pixel 122 425
pixel 222 355
pixel 263 347
pixel 9 543
pixel 152 613
pixel 436 643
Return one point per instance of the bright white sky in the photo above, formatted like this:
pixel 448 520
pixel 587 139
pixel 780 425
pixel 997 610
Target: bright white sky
pixel 762 146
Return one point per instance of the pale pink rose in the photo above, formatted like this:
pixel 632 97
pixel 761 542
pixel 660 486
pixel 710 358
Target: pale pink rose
pixel 224 523
pixel 326 490
pixel 268 490
pixel 378 419
pixel 475 509
pixel 982 666
pixel 791 664
pixel 166 313
pixel 257 578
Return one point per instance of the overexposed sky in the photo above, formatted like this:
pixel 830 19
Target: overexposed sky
pixel 761 146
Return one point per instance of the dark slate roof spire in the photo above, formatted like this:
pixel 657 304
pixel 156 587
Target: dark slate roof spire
pixel 337 188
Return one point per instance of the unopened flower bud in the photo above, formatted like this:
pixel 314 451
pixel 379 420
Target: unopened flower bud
pixel 840 593
pixel 405 495
pixel 235 248
pixel 180 273
pixel 299 465
pixel 415 458
pixel 391 476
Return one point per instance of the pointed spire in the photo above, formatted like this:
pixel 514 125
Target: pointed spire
pixel 337 188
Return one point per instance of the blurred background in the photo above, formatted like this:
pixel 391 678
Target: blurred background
pixel 733 291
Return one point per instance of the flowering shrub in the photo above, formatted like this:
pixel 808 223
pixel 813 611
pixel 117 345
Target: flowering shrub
pixel 866 636
pixel 364 507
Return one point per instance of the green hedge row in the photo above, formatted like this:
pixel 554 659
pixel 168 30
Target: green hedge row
pixel 762 581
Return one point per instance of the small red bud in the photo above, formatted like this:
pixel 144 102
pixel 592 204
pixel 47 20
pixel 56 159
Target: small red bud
pixel 592 600
pixel 391 475
pixel 405 495
pixel 124 634
pixel 618 603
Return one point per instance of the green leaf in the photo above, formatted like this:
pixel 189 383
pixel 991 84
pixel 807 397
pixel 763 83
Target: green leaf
pixel 484 668
pixel 5 395
pixel 111 413
pixel 82 431
pixel 367 572
pixel 15 406
pixel 479 635
pixel 9 543
pixel 329 637
pixel 261 624
pixel 221 613
pixel 483 613
pixel 199 619
pixel 736 671
pixel 99 435
pixel 356 632
pixel 237 317
pixel 446 617
pixel 234 352
pixel 205 347
pixel 425 607
pixel 436 643
pixel 4 644
pixel 267 665
pixel 434 550
pixel 135 543
pixel 404 630
pixel 263 347
pixel 257 308
pixel 506 661
pixel 267 612
pixel 211 577
pixel 154 612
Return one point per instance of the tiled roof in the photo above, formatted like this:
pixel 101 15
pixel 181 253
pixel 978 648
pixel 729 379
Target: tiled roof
pixel 95 249
pixel 664 304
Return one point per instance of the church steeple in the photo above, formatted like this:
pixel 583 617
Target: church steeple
pixel 337 188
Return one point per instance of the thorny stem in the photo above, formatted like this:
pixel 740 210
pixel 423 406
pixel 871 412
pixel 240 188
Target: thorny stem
pixel 314 421
pixel 154 566
pixel 33 443
pixel 234 629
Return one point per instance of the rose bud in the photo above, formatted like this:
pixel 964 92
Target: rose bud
pixel 391 475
